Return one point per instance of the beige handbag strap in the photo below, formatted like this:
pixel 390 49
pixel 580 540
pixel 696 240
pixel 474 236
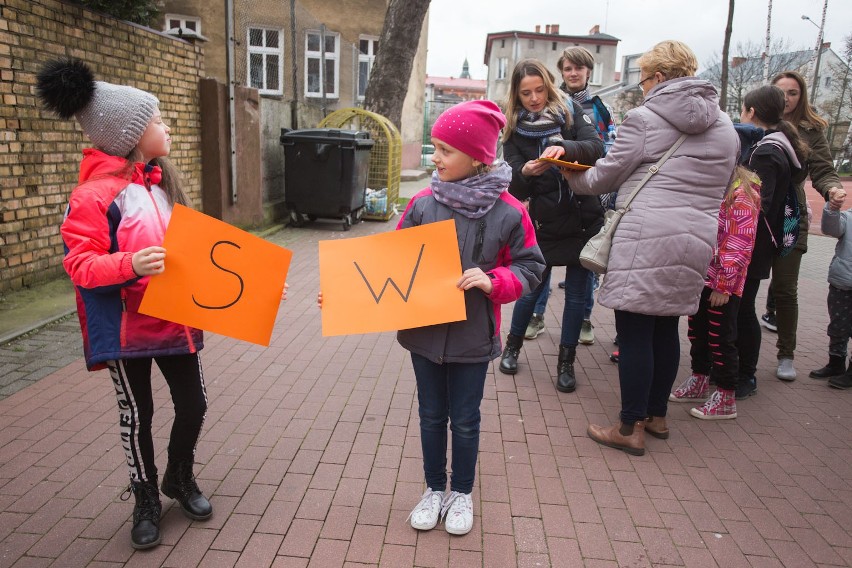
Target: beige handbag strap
pixel 654 169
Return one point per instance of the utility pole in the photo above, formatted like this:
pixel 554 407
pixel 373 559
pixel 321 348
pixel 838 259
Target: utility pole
pixel 817 52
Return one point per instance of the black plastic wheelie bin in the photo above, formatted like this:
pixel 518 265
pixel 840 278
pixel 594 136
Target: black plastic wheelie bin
pixel 325 173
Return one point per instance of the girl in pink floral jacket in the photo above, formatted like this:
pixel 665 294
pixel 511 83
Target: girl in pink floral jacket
pixel 712 330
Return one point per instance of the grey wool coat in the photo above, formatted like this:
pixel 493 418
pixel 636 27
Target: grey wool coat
pixel 664 243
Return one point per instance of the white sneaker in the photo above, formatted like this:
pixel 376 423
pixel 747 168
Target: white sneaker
pixel 458 513
pixel 425 515
pixel 785 371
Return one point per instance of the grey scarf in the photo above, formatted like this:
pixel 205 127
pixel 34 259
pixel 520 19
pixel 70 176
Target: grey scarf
pixel 473 197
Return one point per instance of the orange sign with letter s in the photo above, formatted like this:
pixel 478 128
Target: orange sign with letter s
pixel 218 278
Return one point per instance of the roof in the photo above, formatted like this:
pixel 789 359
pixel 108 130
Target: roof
pixel 456 82
pixel 596 39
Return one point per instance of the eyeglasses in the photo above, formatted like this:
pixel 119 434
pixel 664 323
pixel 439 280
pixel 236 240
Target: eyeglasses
pixel 639 84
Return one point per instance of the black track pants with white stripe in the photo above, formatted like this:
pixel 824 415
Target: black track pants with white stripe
pixel 132 381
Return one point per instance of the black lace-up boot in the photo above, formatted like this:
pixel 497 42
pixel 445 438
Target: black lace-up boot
pixel 509 359
pixel 179 484
pixel 146 515
pixel 565 381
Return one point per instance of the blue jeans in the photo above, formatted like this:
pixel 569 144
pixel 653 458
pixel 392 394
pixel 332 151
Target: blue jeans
pixel 543 296
pixel 576 283
pixel 450 391
pixel 541 302
pixel 594 282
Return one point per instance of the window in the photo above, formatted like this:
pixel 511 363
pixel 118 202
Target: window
pixel 597 49
pixel 368 46
pixel 184 22
pixel 265 60
pixel 828 81
pixel 325 49
pixel 597 75
pixel 553 46
pixel 532 44
pixel 502 66
pixel 502 43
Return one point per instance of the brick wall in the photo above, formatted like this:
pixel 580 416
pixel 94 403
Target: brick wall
pixel 39 154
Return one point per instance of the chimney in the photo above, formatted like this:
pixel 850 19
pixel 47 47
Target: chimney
pixel 826 44
pixel 547 29
pixel 596 29
pixel 538 28
pixel 554 28
pixel 737 61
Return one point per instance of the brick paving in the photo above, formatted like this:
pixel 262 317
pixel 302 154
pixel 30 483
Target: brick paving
pixel 311 456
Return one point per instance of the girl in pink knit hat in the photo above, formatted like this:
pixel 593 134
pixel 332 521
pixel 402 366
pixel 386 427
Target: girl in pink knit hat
pixel 501 261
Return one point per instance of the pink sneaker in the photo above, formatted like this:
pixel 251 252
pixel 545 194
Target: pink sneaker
pixel 722 405
pixel 693 388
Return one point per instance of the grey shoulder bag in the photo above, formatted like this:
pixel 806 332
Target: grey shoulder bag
pixel 595 255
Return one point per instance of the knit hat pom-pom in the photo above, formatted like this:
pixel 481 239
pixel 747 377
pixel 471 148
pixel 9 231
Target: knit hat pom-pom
pixel 65 86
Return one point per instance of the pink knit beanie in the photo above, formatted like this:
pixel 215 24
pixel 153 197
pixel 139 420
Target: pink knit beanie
pixel 472 127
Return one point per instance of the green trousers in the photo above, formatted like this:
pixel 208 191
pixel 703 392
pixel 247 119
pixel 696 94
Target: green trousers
pixel 783 296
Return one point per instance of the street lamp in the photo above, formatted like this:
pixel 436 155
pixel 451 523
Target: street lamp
pixel 810 20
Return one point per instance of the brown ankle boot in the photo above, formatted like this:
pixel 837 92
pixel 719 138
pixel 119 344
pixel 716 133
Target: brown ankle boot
pixel 611 436
pixel 656 426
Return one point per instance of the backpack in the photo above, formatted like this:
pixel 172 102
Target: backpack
pixel 792 214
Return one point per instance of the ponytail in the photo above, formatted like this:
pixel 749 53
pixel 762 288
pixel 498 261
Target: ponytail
pixel 170 183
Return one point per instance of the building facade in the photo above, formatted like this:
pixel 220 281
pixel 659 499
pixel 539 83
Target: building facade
pixel 306 58
pixel 503 50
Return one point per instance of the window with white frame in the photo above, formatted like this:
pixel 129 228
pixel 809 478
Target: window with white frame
pixel 322 60
pixel 597 75
pixel 185 22
pixel 368 46
pixel 502 67
pixel 265 60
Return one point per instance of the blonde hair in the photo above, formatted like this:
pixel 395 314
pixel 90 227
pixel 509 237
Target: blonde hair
pixel 803 112
pixel 672 58
pixel 748 180
pixel 555 103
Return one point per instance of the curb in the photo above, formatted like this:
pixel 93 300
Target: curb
pixel 13 335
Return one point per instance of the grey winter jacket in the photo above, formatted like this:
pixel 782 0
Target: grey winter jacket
pixel 663 245
pixel 502 243
pixel 836 224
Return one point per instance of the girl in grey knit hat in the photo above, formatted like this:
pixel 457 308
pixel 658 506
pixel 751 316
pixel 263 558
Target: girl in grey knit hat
pixel 113 228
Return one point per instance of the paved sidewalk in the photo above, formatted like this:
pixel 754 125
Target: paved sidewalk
pixel 311 456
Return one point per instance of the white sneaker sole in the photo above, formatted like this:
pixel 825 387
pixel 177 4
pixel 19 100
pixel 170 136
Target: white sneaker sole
pixel 459 532
pixel 673 398
pixel 701 416
pixel 425 527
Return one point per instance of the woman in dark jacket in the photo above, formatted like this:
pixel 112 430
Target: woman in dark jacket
pixel 540 125
pixel 777 160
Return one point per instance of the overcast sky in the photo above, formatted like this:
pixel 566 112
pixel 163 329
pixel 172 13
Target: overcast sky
pixel 457 28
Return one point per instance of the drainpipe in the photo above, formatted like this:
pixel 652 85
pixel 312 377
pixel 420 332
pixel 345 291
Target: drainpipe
pixel 232 106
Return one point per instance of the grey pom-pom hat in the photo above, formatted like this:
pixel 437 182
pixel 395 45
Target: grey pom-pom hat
pixel 116 117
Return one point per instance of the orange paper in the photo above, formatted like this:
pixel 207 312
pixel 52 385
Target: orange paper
pixel 218 278
pixel 394 280
pixel 565 165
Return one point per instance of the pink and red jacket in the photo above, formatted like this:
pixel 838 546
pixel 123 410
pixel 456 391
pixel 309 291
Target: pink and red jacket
pixel 735 239
pixel 502 243
pixel 107 220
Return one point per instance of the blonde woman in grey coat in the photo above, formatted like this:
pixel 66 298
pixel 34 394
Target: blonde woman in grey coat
pixel 664 243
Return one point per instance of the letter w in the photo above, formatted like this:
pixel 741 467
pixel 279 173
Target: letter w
pixel 390 281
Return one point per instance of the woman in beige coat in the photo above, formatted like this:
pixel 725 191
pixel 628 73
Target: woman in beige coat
pixel 664 243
